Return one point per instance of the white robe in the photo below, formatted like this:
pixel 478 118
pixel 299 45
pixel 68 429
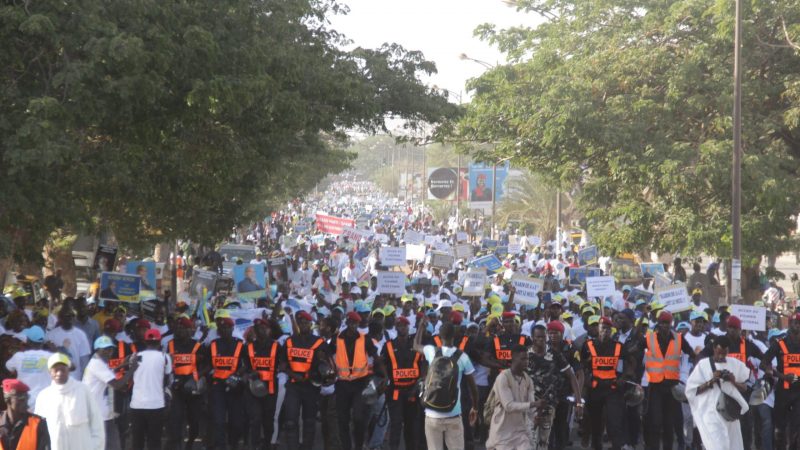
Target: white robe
pixel 74 419
pixel 716 432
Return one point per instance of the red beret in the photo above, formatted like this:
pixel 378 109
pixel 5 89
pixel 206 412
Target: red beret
pixel 606 321
pixel 352 315
pixel 456 317
pixel 14 385
pixel 734 322
pixel 795 316
pixel 509 315
pixel 142 323
pixel 185 322
pixel 303 315
pixel 225 321
pixel 112 325
pixel 665 316
pixel 402 319
pixel 555 326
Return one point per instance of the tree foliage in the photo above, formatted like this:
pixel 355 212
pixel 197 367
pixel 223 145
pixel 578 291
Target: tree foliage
pixel 631 101
pixel 180 119
pixel 530 201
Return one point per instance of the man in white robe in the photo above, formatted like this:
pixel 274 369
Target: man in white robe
pixel 703 389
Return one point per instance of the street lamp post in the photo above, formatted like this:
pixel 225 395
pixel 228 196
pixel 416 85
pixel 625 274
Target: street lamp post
pixel 735 292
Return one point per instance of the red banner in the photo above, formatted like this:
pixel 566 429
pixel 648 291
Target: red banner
pixel 333 224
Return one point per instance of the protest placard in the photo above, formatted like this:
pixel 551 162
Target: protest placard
pixel 588 256
pixel 463 251
pixel 249 280
pixel 649 270
pixel 203 281
pixel 753 317
pixel 578 275
pixel 474 283
pixel 660 280
pixel 333 224
pixel 674 298
pixel 356 235
pixel 119 287
pixel 382 238
pixel 489 244
pixel 146 271
pixel 638 294
pixel 442 260
pixel 105 259
pixel 393 283
pixel 462 236
pixel 393 256
pixel 414 237
pixel 501 251
pixel 431 239
pixel 514 249
pixel 526 290
pixel 278 271
pixel 534 241
pixel 600 287
pixel 489 262
pixel 415 252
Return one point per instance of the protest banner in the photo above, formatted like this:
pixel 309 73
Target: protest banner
pixel 526 290
pixel 415 252
pixel 474 283
pixel 674 298
pixel 392 256
pixel 146 271
pixel 119 287
pixel 514 249
pixel 462 236
pixel 432 239
pixel 105 259
pixel 649 270
pixel 202 281
pixel 463 251
pixel 382 238
pixel 638 294
pixel 333 224
pixel 578 275
pixel 489 244
pixel 501 251
pixel 393 283
pixel 753 318
pixel 243 318
pixel 489 262
pixel 413 237
pixel 442 260
pixel 660 280
pixel 442 247
pixel 588 256
pixel 249 281
pixel 601 287
pixel 278 271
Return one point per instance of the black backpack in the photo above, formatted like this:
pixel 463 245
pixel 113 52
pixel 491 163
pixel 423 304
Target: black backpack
pixel 441 384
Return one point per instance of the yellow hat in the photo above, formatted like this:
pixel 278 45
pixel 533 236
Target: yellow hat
pixel 58 358
pixel 458 307
pixel 566 315
pixel 593 320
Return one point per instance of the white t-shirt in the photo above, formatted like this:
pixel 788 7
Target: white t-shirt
pixel 75 342
pixel 96 377
pixel 31 368
pixel 465 368
pixel 148 380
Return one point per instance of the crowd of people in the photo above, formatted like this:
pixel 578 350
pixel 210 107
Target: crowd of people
pixel 328 352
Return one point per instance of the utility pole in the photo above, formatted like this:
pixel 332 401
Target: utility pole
pixel 735 292
pixel 558 217
pixel 494 198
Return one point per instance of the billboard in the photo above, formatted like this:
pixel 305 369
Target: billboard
pixel 482 185
pixel 442 183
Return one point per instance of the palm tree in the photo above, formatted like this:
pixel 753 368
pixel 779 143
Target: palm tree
pixel 531 202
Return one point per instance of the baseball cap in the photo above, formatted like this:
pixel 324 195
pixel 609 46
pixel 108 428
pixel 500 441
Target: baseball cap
pixel 58 358
pixel 698 315
pixel 34 334
pixel 152 335
pixel 593 320
pixel 103 342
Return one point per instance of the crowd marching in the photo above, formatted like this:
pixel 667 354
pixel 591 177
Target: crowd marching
pixel 328 351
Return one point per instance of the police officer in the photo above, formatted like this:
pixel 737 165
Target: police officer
pixel 226 398
pixel 787 391
pixel 189 365
pixel 600 357
pixel 403 364
pixel 263 360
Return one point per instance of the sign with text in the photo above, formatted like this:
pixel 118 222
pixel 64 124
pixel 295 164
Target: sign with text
pixel 462 236
pixel 463 251
pixel 393 283
pixel 526 290
pixel 674 298
pixel 489 262
pixel 442 247
pixel 753 317
pixel 534 241
pixel 600 286
pixel 588 256
pixel 119 287
pixel 474 283
pixel 356 235
pixel 415 252
pixel 514 249
pixel 414 237
pixel 393 256
pixel 649 270
pixel 442 260
pixel 578 275
pixel 333 224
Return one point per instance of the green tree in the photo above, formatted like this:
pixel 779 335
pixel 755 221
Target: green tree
pixel 530 201
pixel 630 101
pixel 160 120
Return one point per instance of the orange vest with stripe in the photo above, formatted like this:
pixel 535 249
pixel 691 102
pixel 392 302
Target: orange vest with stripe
pixel 604 367
pixel 461 346
pixel 359 366
pixel 225 365
pixel 791 363
pixel 504 355
pixel 300 358
pixel 264 366
pixel 113 363
pixel 661 366
pixel 742 355
pixel 29 439
pixel 402 377
pixel 184 363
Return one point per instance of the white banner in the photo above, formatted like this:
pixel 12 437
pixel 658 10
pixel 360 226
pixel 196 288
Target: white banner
pixel 431 239
pixel 442 247
pixel 753 317
pixel 355 235
pixel 674 298
pixel 393 256
pixel 391 283
pixel 442 260
pixel 463 251
pixel 526 290
pixel 474 283
pixel 415 252
pixel 514 249
pixel 600 287
pixel 413 237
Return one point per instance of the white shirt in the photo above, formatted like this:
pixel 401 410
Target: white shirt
pixel 73 418
pixel 75 342
pixel 96 377
pixel 31 369
pixel 148 380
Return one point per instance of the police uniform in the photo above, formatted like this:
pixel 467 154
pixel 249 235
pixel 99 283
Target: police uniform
pixel 186 407
pixel 786 413
pixel 403 365
pixel 301 353
pixel 226 398
pixel 352 355
pixel 605 403
pixel 262 360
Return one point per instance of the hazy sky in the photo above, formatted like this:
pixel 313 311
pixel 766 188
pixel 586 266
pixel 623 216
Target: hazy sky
pixel 441 29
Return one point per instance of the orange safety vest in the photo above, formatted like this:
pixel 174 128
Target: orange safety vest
pixel 300 358
pixel 603 367
pixel 402 377
pixel 461 346
pixel 501 354
pixel 29 437
pixel 742 355
pixel 179 267
pixel 225 366
pixel 264 367
pixel 791 363
pixel 184 363
pixel 359 367
pixel 660 366
pixel 113 363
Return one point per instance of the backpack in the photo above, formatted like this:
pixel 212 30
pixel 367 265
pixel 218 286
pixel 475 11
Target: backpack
pixel 441 391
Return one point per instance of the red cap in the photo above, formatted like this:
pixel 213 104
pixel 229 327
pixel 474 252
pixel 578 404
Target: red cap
pixel 665 316
pixel 185 322
pixel 555 326
pixel 112 325
pixel 226 321
pixel 734 322
pixel 14 385
pixel 607 322
pixel 456 317
pixel 509 315
pixel 303 315
pixel 402 319
pixel 352 315
pixel 142 323
pixel 152 335
pixel 795 316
